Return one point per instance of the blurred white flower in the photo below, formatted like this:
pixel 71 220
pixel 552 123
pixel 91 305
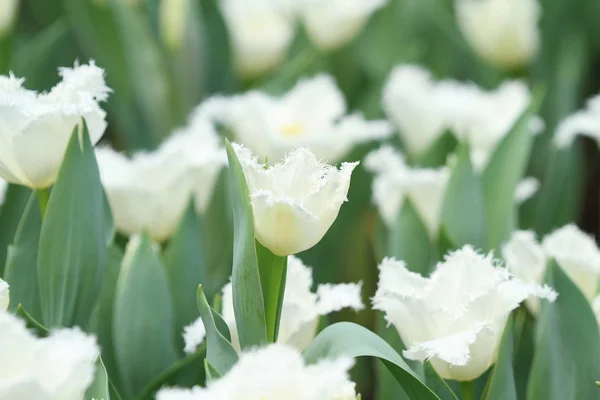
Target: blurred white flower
pixel 4 296
pixel 332 24
pixel 295 202
pixel 260 32
pixel 504 33
pixel 454 318
pixel 301 307
pixel 275 372
pixel 8 12
pixel 526 189
pixel 150 191
pixel 36 128
pixel 193 335
pixel 584 122
pixel 313 115
pixel 394 181
pixel 173 21
pixel 59 367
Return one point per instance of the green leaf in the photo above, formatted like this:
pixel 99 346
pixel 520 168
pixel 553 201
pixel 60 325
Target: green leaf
pixel 220 353
pixel 31 322
pixel 248 302
pixel 211 373
pixel 72 248
pixel 143 320
pixel 567 350
pixel 273 274
pixel 503 173
pixel 110 230
pixel 21 264
pixel 221 325
pixel 409 240
pixel 351 340
pixel 99 389
pixel 15 200
pixel 501 384
pixel 438 152
pixel 437 383
pixel 185 264
pixel 463 213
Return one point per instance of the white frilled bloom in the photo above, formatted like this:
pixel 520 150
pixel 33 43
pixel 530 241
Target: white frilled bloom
pixel 36 128
pixel 332 24
pixel 8 12
pixel 275 372
pixel 294 202
pixel 504 33
pixel 313 115
pixel 526 189
pixel 4 296
pixel 150 192
pixel 584 122
pixel 59 367
pixel 456 317
pixel 260 32
pixel 576 253
pixel 395 181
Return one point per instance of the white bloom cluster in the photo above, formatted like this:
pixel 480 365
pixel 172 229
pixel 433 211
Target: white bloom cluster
pixel 454 318
pixel 313 115
pixel 34 138
pixel 504 33
pixel 275 372
pixel 576 253
pixel 150 191
pixel 481 118
pixel 584 122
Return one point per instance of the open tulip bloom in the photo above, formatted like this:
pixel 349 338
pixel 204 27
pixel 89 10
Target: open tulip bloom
pixel 36 128
pixel 456 317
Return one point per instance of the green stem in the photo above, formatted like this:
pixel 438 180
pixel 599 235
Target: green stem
pixel 273 273
pixel 43 196
pixel 467 390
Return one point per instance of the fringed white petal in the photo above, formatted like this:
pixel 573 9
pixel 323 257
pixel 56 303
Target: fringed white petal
pixel 193 336
pixel 337 297
pixel 4 296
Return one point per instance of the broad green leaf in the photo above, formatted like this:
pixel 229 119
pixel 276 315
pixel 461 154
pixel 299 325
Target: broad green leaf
pixel 219 353
pixel 501 384
pixel 503 173
pixel 248 302
pixel 524 349
pixel 185 263
pixel 438 152
pixel 211 373
pixel 110 230
pixel 15 200
pixel 72 248
pixel 463 212
pixel 21 264
pixel 566 362
pixel 437 383
pixel 143 320
pixel 386 385
pixel 351 340
pixel 273 274
pixel 409 240
pixel 221 325
pixel 99 389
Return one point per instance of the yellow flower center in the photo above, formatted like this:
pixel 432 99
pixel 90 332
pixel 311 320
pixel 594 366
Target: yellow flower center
pixel 292 129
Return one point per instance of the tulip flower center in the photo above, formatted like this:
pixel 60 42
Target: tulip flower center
pixel 292 129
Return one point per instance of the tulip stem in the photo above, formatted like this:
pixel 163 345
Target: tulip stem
pixel 467 390
pixel 43 196
pixel 273 273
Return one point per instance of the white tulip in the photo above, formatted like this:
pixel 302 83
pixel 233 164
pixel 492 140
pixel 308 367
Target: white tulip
pixel 395 181
pixel 260 32
pixel 193 336
pixel 584 122
pixel 4 296
pixel 296 201
pixel 8 12
pixel 301 308
pixel 59 367
pixel 275 372
pixel 526 189
pixel 504 33
pixel 173 21
pixel 313 115
pixel 150 192
pixel 36 128
pixel 332 24
pixel 456 317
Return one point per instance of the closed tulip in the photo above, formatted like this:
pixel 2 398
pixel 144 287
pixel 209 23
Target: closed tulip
pixel 454 318
pixel 4 296
pixel 274 372
pixel 37 127
pixel 8 12
pixel 58 367
pixel 294 202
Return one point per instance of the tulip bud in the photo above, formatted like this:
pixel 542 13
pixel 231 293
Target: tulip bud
pixel 456 317
pixel 502 32
pixel 173 15
pixel 8 13
pixel 4 296
pixel 296 201
pixel 275 372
